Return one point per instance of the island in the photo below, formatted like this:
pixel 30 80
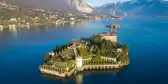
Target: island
pixel 100 51
pixel 116 26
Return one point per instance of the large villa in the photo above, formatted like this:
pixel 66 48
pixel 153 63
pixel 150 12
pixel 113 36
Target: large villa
pixel 101 51
pixel 108 36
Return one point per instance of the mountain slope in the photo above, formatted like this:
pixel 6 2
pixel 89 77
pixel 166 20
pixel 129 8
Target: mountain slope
pixel 55 5
pixel 81 6
pixel 139 8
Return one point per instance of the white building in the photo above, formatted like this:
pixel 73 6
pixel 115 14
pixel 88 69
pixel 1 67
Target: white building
pixel 108 36
pixel 1 26
pixel 119 50
pixel 79 63
pixel 12 26
pixel 51 53
pixel 13 19
pixel 109 59
pixel 72 19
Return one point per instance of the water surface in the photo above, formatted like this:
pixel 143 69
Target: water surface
pixel 22 51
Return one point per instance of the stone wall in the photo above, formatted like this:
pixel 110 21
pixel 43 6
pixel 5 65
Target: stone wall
pixel 56 73
pixel 106 66
pixel 52 72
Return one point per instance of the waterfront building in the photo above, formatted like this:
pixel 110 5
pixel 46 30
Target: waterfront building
pixel 12 26
pixel 72 19
pixel 79 63
pixel 1 26
pixel 13 19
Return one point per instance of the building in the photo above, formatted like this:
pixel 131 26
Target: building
pixel 13 19
pixel 79 63
pixel 115 26
pixel 119 50
pixel 108 36
pixel 72 19
pixel 1 26
pixel 12 26
pixel 51 53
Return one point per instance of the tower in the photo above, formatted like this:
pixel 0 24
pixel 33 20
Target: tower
pixel 79 63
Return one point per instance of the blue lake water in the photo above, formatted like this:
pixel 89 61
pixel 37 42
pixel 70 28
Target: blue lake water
pixel 22 51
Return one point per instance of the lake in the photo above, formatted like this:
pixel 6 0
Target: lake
pixel 22 51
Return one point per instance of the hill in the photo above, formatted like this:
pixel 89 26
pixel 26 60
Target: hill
pixel 54 5
pixel 136 8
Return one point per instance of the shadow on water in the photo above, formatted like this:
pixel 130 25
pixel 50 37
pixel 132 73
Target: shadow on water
pixel 79 77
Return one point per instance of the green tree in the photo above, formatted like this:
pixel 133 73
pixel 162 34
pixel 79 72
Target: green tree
pixel 97 52
pixel 122 57
pixel 82 51
pixel 96 39
pixel 125 48
pixel 114 31
pixel 46 58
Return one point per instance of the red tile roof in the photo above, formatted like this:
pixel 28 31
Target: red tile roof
pixel 105 34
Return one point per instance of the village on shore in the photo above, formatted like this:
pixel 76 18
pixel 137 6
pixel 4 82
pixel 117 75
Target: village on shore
pixel 101 51
pixel 13 16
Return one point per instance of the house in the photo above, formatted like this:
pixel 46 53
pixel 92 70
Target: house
pixel 108 36
pixel 51 53
pixel 13 19
pixel 72 19
pixel 79 63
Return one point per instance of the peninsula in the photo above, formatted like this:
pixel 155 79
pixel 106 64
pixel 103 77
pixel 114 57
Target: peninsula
pixel 101 51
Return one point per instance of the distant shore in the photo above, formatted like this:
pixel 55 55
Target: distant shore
pixel 39 24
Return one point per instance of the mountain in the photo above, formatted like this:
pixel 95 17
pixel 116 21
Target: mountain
pixel 54 5
pixel 106 8
pixel 137 8
pixel 81 6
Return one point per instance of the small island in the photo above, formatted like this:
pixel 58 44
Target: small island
pixel 101 51
pixel 115 26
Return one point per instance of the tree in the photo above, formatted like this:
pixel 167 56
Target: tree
pixel 46 58
pixel 97 52
pixel 119 45
pixel 55 50
pixel 54 58
pixel 114 31
pixel 122 57
pixel 125 48
pixel 96 39
pixel 82 51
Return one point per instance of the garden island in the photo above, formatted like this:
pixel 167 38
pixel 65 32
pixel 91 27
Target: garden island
pixel 101 51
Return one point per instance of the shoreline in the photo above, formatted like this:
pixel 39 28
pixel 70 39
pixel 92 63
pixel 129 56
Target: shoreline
pixel 85 68
pixel 39 24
